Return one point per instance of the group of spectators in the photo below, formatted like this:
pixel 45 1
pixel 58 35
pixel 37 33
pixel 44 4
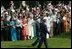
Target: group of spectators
pixel 24 23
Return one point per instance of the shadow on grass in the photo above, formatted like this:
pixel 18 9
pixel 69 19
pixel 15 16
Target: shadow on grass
pixel 21 46
pixel 64 35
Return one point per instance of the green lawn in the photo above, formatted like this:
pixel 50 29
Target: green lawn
pixel 55 42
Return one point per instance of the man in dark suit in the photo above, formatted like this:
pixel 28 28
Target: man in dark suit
pixel 43 32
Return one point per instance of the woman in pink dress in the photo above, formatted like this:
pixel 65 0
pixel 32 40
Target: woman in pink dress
pixel 24 28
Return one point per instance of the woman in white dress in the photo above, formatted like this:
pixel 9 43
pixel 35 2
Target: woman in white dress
pixel 51 26
pixel 30 27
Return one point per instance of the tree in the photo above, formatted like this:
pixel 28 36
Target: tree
pixel 17 4
pixel 6 4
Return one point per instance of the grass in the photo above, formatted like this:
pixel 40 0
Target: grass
pixel 55 42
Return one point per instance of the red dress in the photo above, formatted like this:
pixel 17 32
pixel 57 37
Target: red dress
pixel 24 29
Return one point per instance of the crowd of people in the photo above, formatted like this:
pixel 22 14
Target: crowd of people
pixel 24 23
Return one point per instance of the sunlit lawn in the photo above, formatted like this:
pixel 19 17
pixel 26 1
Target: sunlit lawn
pixel 55 42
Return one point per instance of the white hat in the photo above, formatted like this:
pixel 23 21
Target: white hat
pixel 23 11
pixel 13 10
pixel 64 18
pixel 20 14
pixel 49 4
pixel 37 7
pixel 56 9
pixel 6 12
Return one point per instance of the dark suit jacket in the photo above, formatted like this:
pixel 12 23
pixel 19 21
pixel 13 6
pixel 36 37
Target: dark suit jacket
pixel 43 30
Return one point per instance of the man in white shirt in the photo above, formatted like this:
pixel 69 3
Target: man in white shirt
pixel 18 27
pixel 54 13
